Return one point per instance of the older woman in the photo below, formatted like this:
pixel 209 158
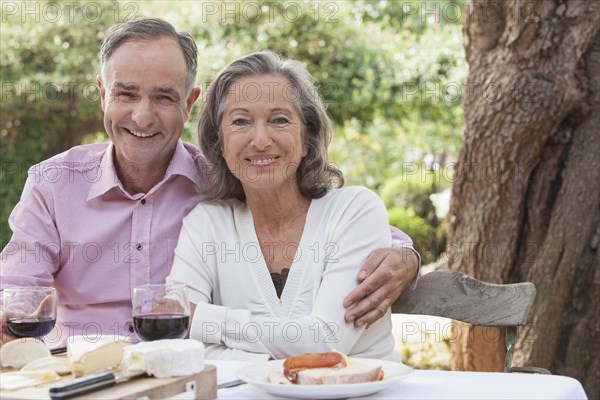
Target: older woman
pixel 270 259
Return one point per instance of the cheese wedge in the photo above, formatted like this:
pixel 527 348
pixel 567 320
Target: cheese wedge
pixel 87 356
pixel 17 353
pixel 21 379
pixel 60 365
pixel 164 358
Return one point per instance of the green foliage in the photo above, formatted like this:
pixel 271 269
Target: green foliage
pixel 429 354
pixel 49 96
pixel 414 187
pixel 390 73
pixel 408 192
pixel 408 198
pixel 422 234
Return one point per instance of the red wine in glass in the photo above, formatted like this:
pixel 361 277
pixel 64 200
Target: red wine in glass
pixel 161 326
pixel 31 327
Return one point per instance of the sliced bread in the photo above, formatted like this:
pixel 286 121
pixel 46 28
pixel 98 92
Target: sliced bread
pixel 337 376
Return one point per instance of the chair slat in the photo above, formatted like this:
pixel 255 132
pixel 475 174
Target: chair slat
pixel 452 294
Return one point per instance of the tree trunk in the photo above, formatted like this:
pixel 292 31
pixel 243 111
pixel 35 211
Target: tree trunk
pixel 526 198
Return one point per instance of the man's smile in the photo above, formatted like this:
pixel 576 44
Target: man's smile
pixel 141 134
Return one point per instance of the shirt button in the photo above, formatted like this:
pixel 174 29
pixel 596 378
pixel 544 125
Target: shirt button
pixel 139 247
pixel 130 328
pixel 143 201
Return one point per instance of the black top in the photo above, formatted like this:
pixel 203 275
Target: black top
pixel 279 280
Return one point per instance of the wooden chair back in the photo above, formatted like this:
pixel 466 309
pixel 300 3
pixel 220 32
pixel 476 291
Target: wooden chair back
pixel 458 296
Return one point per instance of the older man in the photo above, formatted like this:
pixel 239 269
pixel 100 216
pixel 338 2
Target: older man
pixel 100 219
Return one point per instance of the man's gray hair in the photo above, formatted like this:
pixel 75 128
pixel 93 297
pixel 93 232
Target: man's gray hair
pixel 315 175
pixel 146 29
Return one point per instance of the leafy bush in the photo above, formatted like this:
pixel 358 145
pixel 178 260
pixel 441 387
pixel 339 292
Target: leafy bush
pixel 413 188
pixel 410 192
pixel 408 198
pixel 422 234
pixel 429 354
pixel 380 68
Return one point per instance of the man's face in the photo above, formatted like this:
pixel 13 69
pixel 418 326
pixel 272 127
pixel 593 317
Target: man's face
pixel 145 102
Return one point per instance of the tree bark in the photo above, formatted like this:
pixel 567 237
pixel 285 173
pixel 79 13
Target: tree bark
pixel 526 199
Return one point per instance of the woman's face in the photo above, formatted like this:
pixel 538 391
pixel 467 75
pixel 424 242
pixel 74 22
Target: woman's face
pixel 262 133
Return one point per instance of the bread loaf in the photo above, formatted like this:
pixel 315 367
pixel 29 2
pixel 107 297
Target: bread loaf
pixel 19 352
pixel 337 376
pixel 293 365
pixel 331 368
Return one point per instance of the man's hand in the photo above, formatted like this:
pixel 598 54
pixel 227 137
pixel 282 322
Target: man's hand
pixel 5 336
pixel 383 277
pixel 45 308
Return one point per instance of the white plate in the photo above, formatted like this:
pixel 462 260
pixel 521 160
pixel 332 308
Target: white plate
pixel 256 375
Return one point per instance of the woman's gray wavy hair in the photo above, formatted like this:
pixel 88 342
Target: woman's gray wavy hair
pixel 314 175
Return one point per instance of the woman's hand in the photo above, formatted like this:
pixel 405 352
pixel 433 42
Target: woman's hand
pixel 382 279
pixel 167 305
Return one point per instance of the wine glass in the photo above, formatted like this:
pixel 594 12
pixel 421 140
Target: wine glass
pixel 30 310
pixel 161 311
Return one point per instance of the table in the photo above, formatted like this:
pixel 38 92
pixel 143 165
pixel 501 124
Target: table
pixel 425 384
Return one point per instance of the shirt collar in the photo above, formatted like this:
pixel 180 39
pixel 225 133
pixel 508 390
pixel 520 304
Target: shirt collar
pixel 107 175
pixel 185 162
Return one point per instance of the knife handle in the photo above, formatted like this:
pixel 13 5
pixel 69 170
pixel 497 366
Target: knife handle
pixel 83 385
pixel 58 350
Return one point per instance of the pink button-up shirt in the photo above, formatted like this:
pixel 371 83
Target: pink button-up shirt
pixel 77 229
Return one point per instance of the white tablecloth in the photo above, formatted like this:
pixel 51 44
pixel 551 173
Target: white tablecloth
pixel 423 384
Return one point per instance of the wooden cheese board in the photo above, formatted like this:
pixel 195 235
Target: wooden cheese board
pixel 204 383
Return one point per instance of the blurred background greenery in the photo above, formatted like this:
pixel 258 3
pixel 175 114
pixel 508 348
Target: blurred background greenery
pixel 391 73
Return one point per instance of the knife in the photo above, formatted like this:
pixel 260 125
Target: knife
pixel 230 384
pixel 58 351
pixel 88 384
